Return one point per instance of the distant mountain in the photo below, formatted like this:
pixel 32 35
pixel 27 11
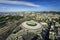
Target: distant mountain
pixel 54 12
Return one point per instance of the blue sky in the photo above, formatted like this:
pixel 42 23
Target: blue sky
pixel 29 5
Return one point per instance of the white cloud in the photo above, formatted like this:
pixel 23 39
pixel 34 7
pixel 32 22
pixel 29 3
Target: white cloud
pixel 20 3
pixel 8 9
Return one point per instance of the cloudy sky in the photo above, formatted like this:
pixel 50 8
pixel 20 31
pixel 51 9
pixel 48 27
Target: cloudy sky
pixel 29 5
